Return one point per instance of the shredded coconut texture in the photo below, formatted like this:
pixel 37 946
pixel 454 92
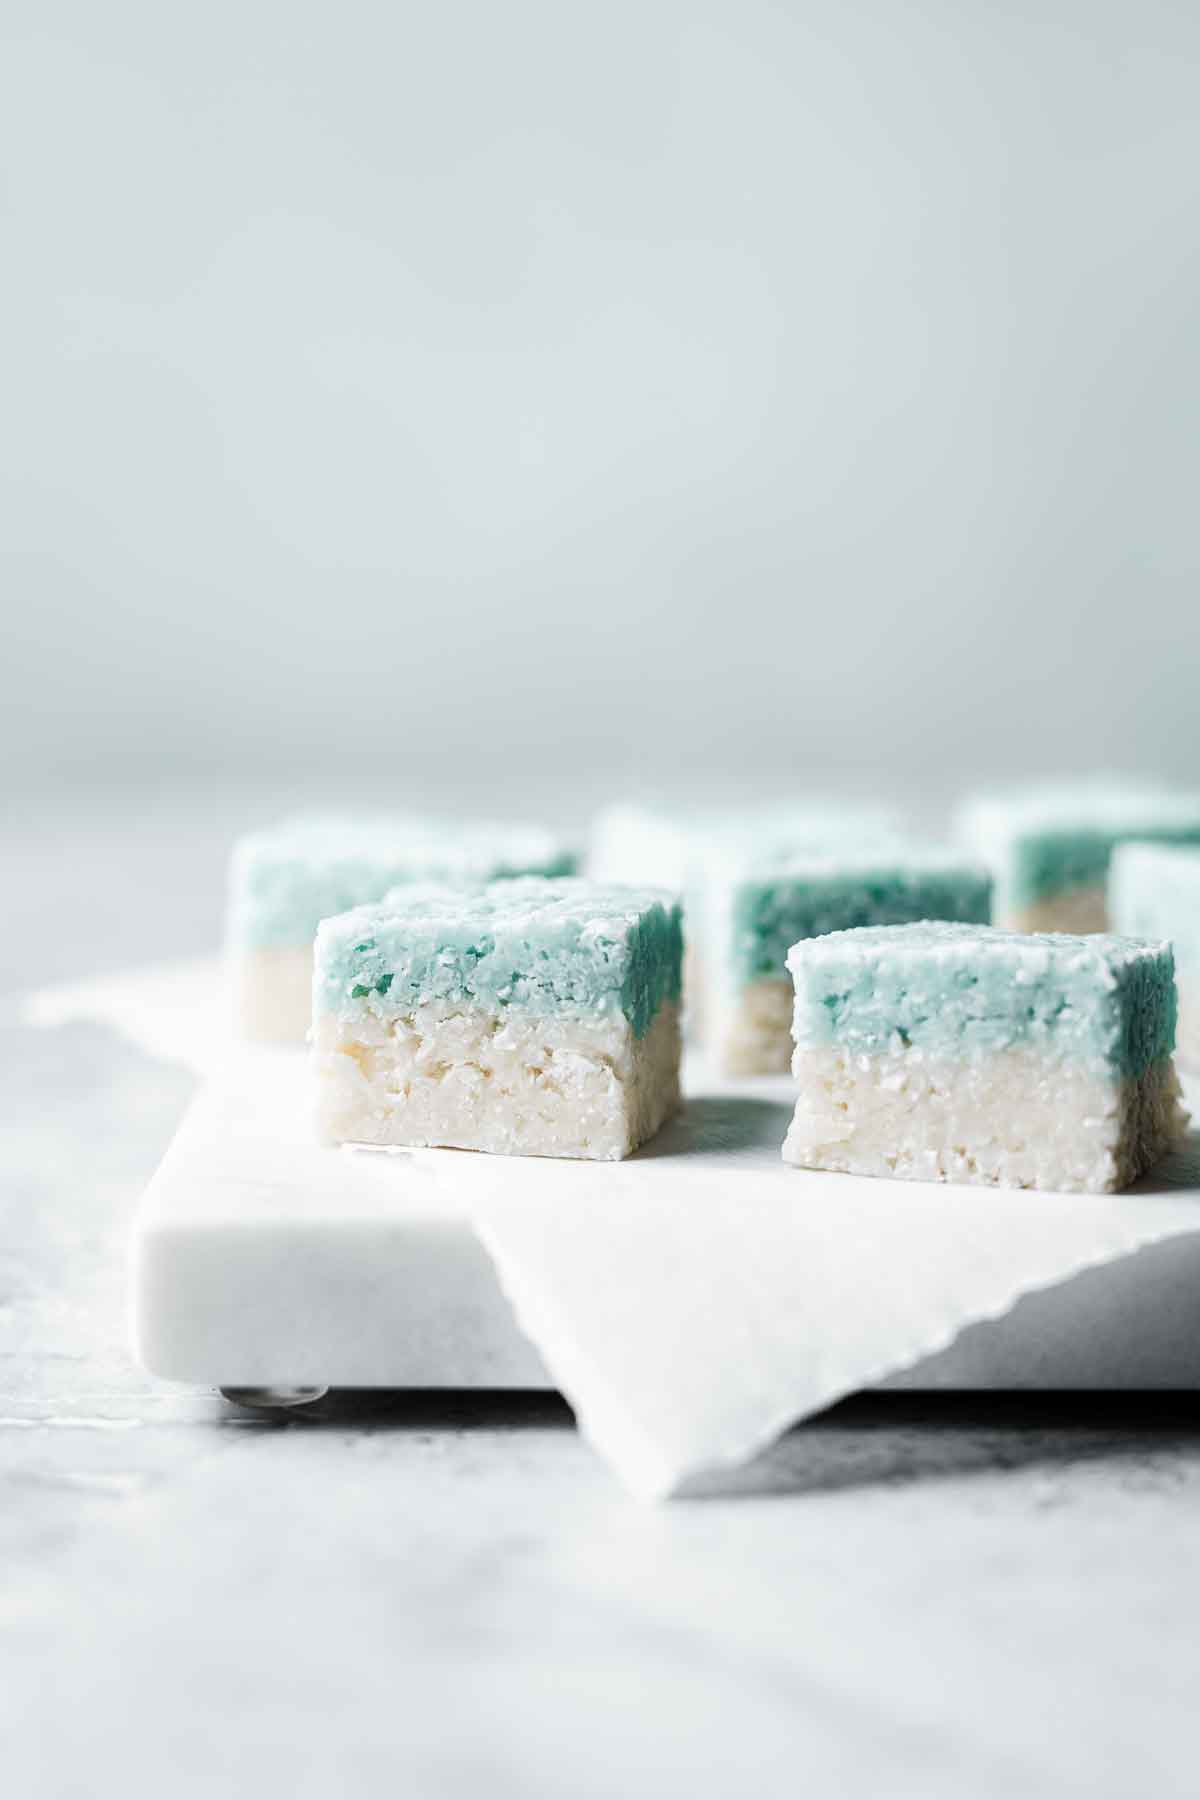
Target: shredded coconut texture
pixel 751 1028
pixel 530 945
pixel 1015 1118
pixel 512 1083
pixel 284 880
pixel 955 990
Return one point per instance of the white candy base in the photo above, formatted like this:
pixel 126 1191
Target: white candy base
pixel 512 1084
pixel 272 994
pixel 1015 1118
pixel 752 1027
pixel 1080 910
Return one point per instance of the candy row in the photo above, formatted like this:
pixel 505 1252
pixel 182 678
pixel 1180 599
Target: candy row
pixel 756 880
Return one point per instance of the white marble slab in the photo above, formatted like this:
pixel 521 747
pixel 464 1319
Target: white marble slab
pixel 691 1302
pixel 263 1259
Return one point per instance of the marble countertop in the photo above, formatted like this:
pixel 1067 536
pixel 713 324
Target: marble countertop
pixel 447 1596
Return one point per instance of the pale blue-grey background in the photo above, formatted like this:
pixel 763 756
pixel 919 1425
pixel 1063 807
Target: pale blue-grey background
pixel 470 396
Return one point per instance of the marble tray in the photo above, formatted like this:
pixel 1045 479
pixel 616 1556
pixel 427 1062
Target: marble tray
pixel 264 1261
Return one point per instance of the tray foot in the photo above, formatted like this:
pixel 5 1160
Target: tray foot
pixel 273 1399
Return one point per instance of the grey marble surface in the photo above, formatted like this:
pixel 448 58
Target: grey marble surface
pixel 422 1596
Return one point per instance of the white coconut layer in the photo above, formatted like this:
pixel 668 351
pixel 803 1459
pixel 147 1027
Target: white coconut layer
pixel 1009 1118
pixel 272 994
pixel 1081 910
pixel 751 1027
pixel 511 1083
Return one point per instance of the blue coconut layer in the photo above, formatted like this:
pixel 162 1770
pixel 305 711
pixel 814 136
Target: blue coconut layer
pixel 1049 839
pixel 784 898
pixel 955 990
pixel 285 880
pixel 1053 864
pixel 1154 891
pixel 540 946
